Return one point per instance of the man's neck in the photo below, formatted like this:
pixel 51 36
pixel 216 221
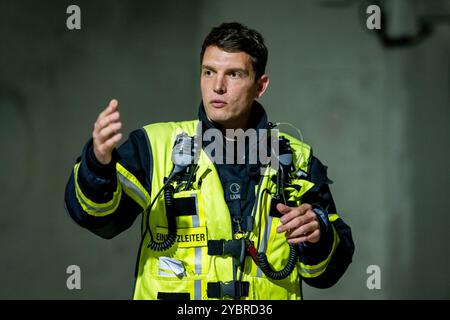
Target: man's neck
pixel 243 123
pixel 256 118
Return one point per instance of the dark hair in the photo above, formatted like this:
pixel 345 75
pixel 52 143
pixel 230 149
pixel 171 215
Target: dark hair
pixel 234 37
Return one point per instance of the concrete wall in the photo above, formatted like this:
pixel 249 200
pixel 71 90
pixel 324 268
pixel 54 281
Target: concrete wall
pixel 377 117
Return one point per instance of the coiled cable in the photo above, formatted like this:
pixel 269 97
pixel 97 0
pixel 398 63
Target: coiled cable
pixel 265 267
pixel 171 223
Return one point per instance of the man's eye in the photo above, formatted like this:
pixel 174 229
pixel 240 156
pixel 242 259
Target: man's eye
pixel 207 73
pixel 235 75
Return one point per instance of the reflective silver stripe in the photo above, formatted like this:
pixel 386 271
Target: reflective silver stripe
pixel 264 241
pixel 267 234
pixel 195 221
pixel 198 260
pixel 259 272
pixel 197 289
pixel 316 270
pixel 198 255
pixel 198 250
pixel 195 218
pixel 113 206
pixel 130 186
pixel 96 209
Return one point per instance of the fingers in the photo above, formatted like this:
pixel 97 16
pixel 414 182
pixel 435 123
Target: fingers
pixel 112 106
pixel 107 116
pixel 282 208
pixel 303 230
pixel 112 142
pixel 106 127
pixel 103 151
pixel 313 237
pixel 299 223
pixel 107 119
pixel 106 133
pixel 290 213
pixel 296 222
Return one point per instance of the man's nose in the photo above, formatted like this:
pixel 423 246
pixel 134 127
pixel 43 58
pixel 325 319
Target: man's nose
pixel 219 85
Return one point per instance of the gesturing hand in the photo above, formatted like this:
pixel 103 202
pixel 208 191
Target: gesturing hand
pixel 106 132
pixel 299 223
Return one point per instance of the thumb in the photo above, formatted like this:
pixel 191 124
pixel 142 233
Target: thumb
pixel 282 208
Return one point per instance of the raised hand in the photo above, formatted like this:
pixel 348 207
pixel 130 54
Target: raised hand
pixel 107 133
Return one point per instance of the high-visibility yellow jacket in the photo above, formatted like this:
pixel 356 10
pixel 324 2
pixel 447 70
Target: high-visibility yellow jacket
pixel 212 222
pixel 186 270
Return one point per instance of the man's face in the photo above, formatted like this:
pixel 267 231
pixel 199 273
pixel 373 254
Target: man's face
pixel 228 87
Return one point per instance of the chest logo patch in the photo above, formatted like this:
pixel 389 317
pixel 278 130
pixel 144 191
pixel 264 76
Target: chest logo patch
pixel 235 189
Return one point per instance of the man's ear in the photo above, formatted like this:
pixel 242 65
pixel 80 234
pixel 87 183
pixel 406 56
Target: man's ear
pixel 262 84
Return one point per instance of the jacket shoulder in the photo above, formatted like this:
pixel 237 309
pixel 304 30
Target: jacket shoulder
pixel 301 150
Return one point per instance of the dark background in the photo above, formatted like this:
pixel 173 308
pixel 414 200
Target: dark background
pixel 373 104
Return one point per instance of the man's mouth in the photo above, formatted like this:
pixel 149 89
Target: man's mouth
pixel 216 103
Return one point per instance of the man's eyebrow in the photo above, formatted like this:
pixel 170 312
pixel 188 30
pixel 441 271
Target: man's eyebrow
pixel 205 66
pixel 237 70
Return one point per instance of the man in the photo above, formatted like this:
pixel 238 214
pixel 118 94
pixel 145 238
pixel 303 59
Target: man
pixel 212 229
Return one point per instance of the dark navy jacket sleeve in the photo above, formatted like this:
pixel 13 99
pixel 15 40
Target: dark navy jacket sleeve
pixel 92 196
pixel 333 253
